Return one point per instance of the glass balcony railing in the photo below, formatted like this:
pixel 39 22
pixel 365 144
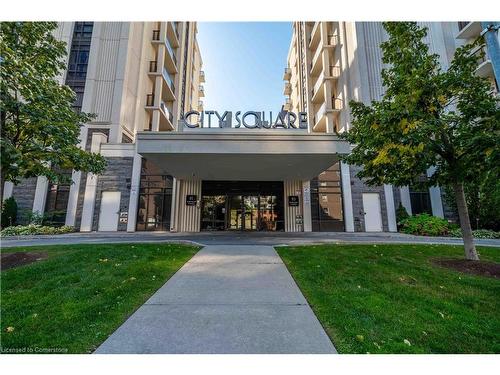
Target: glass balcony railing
pixel 166 111
pixel 170 51
pixel 169 79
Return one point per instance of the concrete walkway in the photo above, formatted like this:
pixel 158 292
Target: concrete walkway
pixel 226 299
pixel 235 238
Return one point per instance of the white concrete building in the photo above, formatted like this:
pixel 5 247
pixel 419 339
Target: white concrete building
pixel 247 171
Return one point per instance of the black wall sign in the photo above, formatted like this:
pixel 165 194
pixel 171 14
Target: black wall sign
pixel 293 200
pixel 191 200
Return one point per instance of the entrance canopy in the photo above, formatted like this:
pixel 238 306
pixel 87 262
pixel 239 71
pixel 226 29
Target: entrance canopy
pixel 223 154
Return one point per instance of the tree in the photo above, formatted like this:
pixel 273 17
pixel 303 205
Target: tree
pixel 428 117
pixel 40 129
pixel 483 200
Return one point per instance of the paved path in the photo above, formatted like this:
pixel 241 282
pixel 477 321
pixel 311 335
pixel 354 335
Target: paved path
pixel 226 299
pixel 236 238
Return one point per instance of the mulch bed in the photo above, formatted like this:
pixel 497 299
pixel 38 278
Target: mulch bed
pixel 480 268
pixel 12 260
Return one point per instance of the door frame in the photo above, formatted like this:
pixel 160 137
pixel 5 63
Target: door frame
pixel 117 212
pixel 379 211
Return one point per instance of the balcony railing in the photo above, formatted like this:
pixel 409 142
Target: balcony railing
pixel 288 89
pixel 462 24
pixel 176 29
pixel 337 104
pixel 202 76
pixel 335 71
pixel 166 112
pixel 156 35
pixel 150 100
pixel 153 66
pixel 287 74
pixel 169 79
pixel 481 54
pixel 171 51
pixel 333 39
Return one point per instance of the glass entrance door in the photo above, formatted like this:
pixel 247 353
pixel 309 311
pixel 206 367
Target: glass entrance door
pixel 250 213
pixel 242 205
pixel 213 212
pixel 235 221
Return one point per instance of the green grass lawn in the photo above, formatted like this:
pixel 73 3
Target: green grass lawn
pixel 80 294
pixel 392 299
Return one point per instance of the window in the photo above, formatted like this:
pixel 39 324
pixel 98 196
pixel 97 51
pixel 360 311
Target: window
pixel 57 201
pixel 420 202
pixel 78 60
pixel 155 199
pixel 326 201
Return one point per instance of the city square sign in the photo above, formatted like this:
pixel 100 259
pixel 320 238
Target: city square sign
pixel 249 120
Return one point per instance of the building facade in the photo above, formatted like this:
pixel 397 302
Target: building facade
pixel 168 172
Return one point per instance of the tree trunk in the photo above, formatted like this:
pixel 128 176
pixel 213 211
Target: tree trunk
pixel 2 185
pixel 463 214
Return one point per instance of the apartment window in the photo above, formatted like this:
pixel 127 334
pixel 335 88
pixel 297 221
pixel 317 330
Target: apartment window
pixel 78 60
pixel 57 201
pixel 420 201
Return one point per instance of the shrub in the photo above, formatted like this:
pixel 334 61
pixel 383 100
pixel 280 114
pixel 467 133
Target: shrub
pixel 479 233
pixel 9 212
pixel 401 214
pixel 33 229
pixel 425 225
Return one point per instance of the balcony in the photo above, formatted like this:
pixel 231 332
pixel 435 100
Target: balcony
pixel 321 116
pixel 170 59
pixel 150 100
pixel 470 30
pixel 168 81
pixel 169 87
pixel 485 68
pixel 288 104
pixel 288 89
pixel 156 35
pixel 334 72
pixel 332 40
pixel 202 76
pixel 287 75
pixel 337 104
pixel 201 91
pixel 166 118
pixel 172 34
pixel 315 35
pixel 200 105
pixel 153 66
pixel 317 91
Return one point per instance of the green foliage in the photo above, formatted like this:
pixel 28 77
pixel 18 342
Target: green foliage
pixel 483 200
pixel 479 233
pixel 427 117
pixel 40 130
pixel 371 298
pixel 425 225
pixel 52 218
pixel 81 294
pixel 9 212
pixel 33 229
pixel 401 214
